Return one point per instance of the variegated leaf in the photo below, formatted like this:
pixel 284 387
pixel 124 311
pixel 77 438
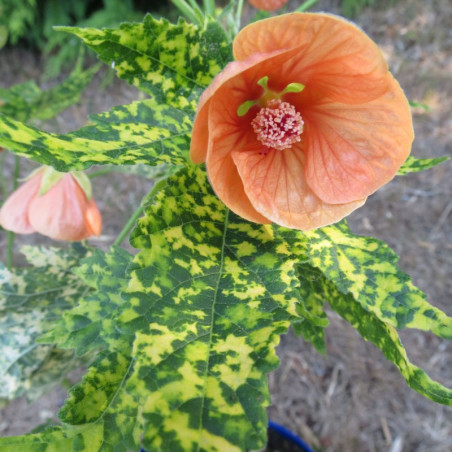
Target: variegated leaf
pixel 31 299
pixel 26 101
pixel 371 328
pixel 313 319
pixel 56 439
pixel 415 165
pixel 367 269
pixel 92 323
pixel 208 298
pixel 171 62
pixel 142 132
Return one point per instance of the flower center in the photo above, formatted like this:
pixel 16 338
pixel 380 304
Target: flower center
pixel 278 125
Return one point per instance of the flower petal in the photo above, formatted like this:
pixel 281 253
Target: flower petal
pixel 268 5
pixel 14 212
pixel 222 171
pixel 276 187
pixel 335 58
pixel 352 150
pixel 93 218
pixel 60 212
pixel 200 135
pixel 242 77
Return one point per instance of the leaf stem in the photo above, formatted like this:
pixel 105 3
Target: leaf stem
pixel 10 235
pixel 306 5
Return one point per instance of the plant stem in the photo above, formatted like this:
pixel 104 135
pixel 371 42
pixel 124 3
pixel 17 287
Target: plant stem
pixel 2 175
pixel 238 16
pixel 126 229
pixel 306 5
pixel 10 235
pixel 129 225
pixel 102 172
pixel 186 10
pixel 209 7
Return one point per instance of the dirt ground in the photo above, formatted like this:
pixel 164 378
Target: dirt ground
pixel 352 399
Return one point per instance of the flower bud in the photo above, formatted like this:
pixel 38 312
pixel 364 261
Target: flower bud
pixel 55 205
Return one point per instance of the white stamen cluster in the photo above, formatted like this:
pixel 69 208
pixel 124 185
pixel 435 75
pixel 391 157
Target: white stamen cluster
pixel 278 126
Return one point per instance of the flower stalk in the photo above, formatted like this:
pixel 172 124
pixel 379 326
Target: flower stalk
pixel 11 235
pixel 306 5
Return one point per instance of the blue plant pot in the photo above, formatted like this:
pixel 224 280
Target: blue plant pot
pixel 282 440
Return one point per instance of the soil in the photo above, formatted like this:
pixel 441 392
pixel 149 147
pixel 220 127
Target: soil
pixel 352 399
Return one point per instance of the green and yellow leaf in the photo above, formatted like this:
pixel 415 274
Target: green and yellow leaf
pixel 415 165
pixel 57 439
pixel 26 101
pixel 142 132
pixel 31 299
pixel 209 296
pixel 380 333
pixel 367 269
pixel 91 324
pixel 171 62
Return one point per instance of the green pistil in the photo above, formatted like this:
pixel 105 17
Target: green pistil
pixel 245 107
pixel 263 82
pixel 268 95
pixel 293 88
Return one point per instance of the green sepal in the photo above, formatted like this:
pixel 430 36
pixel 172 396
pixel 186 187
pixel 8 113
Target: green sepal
pixel 50 177
pixel 84 182
pixel 415 165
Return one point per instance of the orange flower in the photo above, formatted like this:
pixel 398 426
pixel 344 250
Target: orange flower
pixel 306 123
pixel 53 204
pixel 268 5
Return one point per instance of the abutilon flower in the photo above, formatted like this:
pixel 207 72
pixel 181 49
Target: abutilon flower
pixel 268 5
pixel 304 125
pixel 58 205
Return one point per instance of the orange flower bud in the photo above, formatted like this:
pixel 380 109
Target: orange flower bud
pixel 268 5
pixel 304 125
pixel 59 209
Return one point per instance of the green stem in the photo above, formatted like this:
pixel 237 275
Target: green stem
pixel 126 229
pixel 186 10
pixel 306 5
pixel 209 7
pixel 2 175
pixel 10 235
pixel 16 172
pixel 238 16
pixel 129 225
pixel 102 172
